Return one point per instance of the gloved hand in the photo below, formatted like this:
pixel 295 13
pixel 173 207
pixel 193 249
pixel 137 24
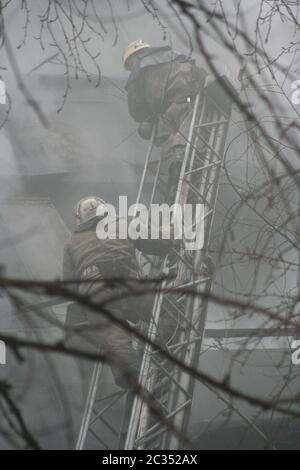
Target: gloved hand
pixel 145 130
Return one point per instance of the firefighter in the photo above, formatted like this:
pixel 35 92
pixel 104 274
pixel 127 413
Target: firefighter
pixel 161 88
pixel 89 259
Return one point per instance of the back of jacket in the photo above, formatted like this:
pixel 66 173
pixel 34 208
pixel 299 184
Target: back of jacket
pixel 163 80
pixel 85 253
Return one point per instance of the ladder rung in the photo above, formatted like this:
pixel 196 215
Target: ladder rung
pixel 213 123
pixel 164 381
pixel 209 146
pixel 183 260
pixel 181 313
pixel 100 413
pixel 169 375
pixel 196 191
pixel 185 343
pixel 202 168
pixel 170 415
pixel 199 281
pixel 171 315
pixel 110 396
pixel 110 427
pixel 106 446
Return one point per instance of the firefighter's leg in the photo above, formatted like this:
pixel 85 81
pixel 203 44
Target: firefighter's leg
pixel 125 360
pixel 175 156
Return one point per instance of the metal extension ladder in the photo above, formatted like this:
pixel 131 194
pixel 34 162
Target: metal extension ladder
pixel 181 315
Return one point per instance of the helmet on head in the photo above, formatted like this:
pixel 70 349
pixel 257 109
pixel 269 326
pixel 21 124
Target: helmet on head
pixel 86 209
pixel 132 49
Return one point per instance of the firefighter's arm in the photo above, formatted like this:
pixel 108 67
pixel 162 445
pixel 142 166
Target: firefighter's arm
pixel 137 105
pixel 154 247
pixel 161 246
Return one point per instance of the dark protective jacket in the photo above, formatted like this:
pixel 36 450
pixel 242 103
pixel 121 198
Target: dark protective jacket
pixel 163 85
pixel 88 258
pixel 84 250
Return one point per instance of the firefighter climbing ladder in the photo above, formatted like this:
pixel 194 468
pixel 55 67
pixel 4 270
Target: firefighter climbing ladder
pixel 175 311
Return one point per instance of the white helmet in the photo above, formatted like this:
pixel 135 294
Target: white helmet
pixel 86 209
pixel 132 49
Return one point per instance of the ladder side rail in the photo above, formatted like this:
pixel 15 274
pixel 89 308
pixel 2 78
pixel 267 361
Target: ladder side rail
pixel 182 419
pixel 140 418
pixel 146 165
pixel 88 411
pixel 190 150
pixel 176 395
pixel 139 406
pixel 145 378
